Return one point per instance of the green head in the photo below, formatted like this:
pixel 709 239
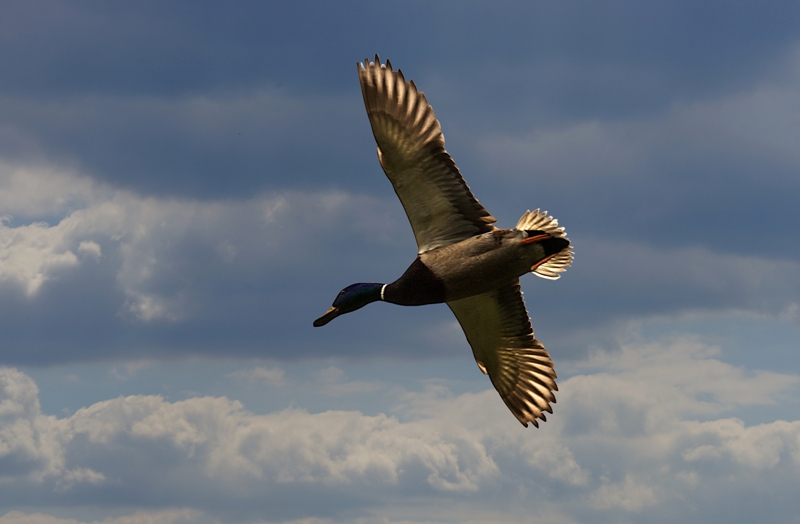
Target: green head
pixel 349 299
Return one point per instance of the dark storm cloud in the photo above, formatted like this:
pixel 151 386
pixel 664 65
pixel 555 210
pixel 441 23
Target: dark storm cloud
pixel 720 174
pixel 108 86
pixel 172 47
pixel 198 146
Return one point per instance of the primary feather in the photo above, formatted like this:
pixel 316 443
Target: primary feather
pixel 439 205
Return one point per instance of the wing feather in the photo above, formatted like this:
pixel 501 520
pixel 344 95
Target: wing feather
pixel 439 204
pixel 499 330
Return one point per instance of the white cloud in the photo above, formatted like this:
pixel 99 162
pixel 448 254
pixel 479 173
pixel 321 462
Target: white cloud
pixel 679 388
pixel 90 248
pixel 170 516
pixel 32 191
pixel 29 450
pixel 220 446
pixel 645 431
pixel 163 251
pixel 32 254
pixel 164 248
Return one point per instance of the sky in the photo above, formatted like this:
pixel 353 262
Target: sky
pixel 186 186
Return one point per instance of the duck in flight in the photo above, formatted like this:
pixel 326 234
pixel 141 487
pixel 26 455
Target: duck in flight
pixel 463 259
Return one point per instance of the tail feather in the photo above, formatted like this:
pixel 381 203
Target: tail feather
pixel 540 221
pixel 552 268
pixel 558 263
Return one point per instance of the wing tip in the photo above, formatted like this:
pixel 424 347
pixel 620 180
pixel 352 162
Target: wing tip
pixel 529 411
pixel 376 62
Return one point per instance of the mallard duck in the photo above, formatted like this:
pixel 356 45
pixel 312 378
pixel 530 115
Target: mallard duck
pixel 463 259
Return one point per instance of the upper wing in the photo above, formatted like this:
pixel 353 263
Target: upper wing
pixel 499 330
pixel 439 204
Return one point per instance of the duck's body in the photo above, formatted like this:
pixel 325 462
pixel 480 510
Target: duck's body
pixel 463 259
pixel 471 267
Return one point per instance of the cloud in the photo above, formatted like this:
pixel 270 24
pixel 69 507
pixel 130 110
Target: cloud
pixel 647 388
pixel 170 516
pixel 231 114
pixel 33 254
pixel 39 190
pixel 211 448
pixel 690 277
pixel 29 450
pixel 273 376
pixel 333 383
pixel 212 145
pixel 195 264
pixel 182 182
pixel 661 207
pixel 130 267
pixel 154 242
pixel 685 175
pixel 634 432
pixel 186 250
pixel 615 285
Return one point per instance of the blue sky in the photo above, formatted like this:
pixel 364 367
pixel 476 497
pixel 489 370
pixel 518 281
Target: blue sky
pixel 185 186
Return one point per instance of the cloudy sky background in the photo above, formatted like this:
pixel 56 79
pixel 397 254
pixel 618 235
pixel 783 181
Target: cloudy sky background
pixel 185 186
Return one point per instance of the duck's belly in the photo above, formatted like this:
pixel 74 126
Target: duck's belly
pixel 482 263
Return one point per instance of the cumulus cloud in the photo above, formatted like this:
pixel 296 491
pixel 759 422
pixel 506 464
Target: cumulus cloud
pixel 33 254
pixel 181 260
pixel 217 449
pixel 636 433
pixel 37 190
pixel 154 242
pixel 29 450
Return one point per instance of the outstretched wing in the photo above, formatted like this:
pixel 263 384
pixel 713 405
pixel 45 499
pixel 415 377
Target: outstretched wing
pixel 439 204
pixel 499 330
